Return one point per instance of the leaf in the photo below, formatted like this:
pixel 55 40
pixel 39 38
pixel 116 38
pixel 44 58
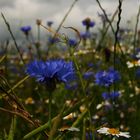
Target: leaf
pixel 12 129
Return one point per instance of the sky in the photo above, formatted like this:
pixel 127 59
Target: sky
pixel 25 12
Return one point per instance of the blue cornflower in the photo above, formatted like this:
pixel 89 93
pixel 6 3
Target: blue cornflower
pixel 25 29
pixel 89 135
pixel 71 85
pixel 72 42
pixel 52 40
pixel 112 95
pixel 107 78
pixel 51 71
pixel 138 73
pixel 88 75
pixel 90 65
pixel 103 18
pixel 137 50
pixel 95 65
pixel 136 55
pixel 49 23
pixel 88 22
pixel 85 35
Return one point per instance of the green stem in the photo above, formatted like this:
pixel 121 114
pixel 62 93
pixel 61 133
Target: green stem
pixel 38 42
pixel 12 129
pixel 79 74
pixel 83 86
pixel 84 130
pixel 38 50
pixel 38 35
pixel 50 110
pixel 18 84
pixel 29 46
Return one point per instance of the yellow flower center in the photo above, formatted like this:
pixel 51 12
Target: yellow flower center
pixel 29 100
pixel 135 62
pixel 113 131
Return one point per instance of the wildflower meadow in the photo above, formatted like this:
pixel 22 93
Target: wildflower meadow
pixel 80 87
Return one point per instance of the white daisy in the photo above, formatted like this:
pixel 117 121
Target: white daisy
pixel 133 63
pixel 113 131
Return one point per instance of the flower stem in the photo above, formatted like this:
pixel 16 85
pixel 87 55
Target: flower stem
pixel 79 74
pixel 84 129
pixel 136 30
pixel 38 33
pixel 50 110
pixel 38 42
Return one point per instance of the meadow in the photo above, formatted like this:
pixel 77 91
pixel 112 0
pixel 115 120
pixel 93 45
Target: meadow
pixel 85 87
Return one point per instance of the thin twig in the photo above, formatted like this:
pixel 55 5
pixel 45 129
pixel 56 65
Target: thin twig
pixel 13 97
pixel 16 113
pixel 116 36
pixel 12 35
pixel 2 58
pixel 107 27
pixel 66 15
pixel 23 113
pixel 110 24
pixel 117 30
pixel 136 29
pixel 11 89
pixel 18 84
pixel 63 20
pixel 51 30
pixel 106 16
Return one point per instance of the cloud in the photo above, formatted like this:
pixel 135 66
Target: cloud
pixel 7 3
pixel 25 12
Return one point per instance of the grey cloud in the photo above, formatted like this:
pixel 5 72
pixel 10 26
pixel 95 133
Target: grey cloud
pixel 7 3
pixel 47 1
pixel 25 12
